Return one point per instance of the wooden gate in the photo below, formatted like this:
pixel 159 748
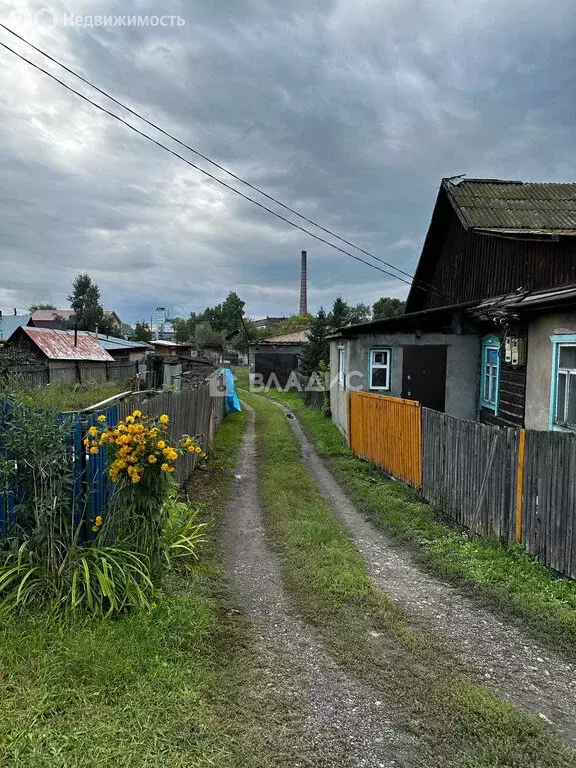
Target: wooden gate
pixel 387 431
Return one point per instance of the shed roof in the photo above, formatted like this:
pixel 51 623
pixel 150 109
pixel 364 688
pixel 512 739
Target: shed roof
pixel 292 337
pixel 113 343
pixel 514 207
pixel 9 323
pixel 59 345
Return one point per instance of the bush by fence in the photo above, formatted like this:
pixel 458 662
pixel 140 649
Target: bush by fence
pixel 194 411
pixel 516 485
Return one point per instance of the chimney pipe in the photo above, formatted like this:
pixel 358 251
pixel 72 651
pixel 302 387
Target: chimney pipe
pixel 15 313
pixel 303 284
pixel 75 334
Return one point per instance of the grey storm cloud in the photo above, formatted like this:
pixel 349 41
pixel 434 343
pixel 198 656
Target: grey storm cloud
pixel 349 110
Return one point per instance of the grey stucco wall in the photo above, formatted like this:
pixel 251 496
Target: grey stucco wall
pixel 462 369
pixel 539 365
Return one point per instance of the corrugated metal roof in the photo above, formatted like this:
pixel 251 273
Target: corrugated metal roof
pixel 515 206
pixel 59 345
pixel 112 343
pixel 9 323
pixel 44 315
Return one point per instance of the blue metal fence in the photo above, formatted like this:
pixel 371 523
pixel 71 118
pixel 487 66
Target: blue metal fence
pixel 91 488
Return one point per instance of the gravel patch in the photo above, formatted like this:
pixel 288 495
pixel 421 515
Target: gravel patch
pixel 336 722
pixel 498 654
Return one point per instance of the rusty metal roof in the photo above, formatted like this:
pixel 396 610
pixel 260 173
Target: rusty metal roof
pixel 514 207
pixel 59 345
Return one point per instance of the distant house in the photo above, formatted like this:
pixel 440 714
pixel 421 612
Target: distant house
pixel 489 332
pixel 9 323
pixel 69 356
pixel 60 318
pixel 124 350
pixel 276 356
pixel 269 322
pixel 167 347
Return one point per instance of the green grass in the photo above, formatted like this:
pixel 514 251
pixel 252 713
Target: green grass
pixel 457 722
pixel 504 575
pixel 145 690
pixel 61 396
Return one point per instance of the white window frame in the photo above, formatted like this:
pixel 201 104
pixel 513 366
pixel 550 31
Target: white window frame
pixel 341 374
pixel 387 366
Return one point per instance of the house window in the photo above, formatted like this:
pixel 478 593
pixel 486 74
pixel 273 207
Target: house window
pixel 341 374
pixel 379 372
pixel 565 375
pixel 490 373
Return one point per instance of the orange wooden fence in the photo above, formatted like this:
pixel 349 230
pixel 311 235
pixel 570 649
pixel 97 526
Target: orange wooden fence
pixel 387 431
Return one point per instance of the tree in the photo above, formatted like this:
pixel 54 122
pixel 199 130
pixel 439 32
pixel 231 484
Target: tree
pixel 360 313
pixel 232 312
pixel 295 323
pixel 142 332
pixel 85 301
pixel 317 351
pixel 340 313
pixel 32 308
pixel 182 330
pixel 206 336
pixel 387 307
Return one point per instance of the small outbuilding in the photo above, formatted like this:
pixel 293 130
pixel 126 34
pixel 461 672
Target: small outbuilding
pixel 273 360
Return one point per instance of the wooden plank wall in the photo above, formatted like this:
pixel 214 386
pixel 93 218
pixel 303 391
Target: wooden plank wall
pixel 549 499
pixel 387 432
pixel 470 472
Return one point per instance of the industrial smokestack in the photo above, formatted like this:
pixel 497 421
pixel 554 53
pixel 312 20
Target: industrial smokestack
pixel 303 285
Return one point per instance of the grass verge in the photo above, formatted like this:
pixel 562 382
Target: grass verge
pixel 145 690
pixel 457 722
pixel 504 575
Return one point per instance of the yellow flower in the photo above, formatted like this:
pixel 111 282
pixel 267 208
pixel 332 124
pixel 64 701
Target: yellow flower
pixel 139 428
pixel 101 418
pixel 165 467
pixel 129 419
pixel 136 414
pixel 161 444
pixel 198 449
pixel 153 432
pixel 164 419
pixel 94 529
pixel 93 431
pixel 86 441
pixel 94 449
pixel 152 459
pixel 98 520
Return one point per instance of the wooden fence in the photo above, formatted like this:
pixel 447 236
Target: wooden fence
pixel 71 371
pixel 469 470
pixel 196 411
pixel 387 432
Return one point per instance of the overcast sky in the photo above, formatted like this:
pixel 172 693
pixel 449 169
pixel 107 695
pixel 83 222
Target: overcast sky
pixel 351 111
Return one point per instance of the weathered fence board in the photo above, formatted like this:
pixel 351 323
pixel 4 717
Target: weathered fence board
pixel 469 470
pixel 387 432
pixel 193 411
pixel 549 499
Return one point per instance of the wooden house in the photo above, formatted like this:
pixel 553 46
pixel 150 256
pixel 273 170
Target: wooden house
pixel 489 331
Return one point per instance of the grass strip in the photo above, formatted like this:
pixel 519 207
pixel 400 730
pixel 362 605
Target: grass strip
pixel 502 574
pixel 145 690
pixel 457 722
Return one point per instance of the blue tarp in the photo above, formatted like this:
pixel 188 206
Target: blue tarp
pixel 232 402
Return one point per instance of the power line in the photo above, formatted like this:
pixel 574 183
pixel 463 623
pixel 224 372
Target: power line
pixel 198 168
pixel 203 156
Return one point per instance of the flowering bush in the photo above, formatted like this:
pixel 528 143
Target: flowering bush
pixel 141 461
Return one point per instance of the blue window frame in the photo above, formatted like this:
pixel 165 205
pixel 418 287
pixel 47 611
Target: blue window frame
pixel 490 373
pixel 563 389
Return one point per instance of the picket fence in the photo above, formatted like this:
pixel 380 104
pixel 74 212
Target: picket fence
pixel 194 411
pixel 511 484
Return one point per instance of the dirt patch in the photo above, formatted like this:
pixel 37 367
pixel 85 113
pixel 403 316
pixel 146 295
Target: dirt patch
pixel 498 654
pixel 331 720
